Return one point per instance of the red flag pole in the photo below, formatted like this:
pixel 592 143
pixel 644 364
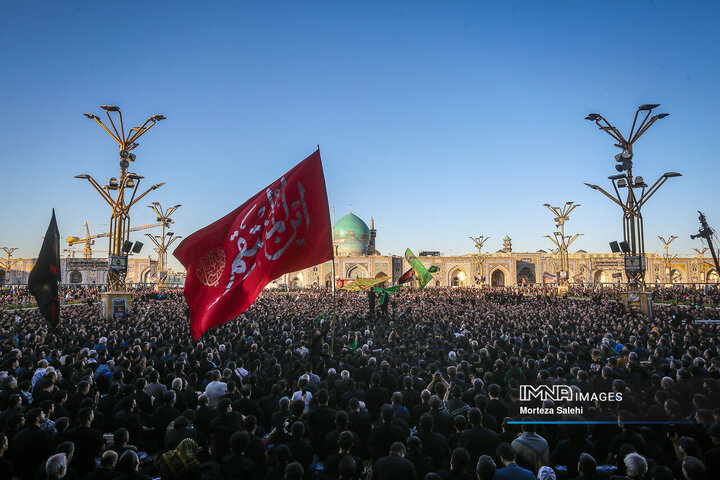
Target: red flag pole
pixel 333 315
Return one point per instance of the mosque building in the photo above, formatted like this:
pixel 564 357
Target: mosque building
pixel 356 256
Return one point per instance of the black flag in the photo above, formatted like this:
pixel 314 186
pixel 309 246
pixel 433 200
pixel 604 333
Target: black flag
pixel 45 275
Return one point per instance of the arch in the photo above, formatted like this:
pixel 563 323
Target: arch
pixel 526 275
pixel 497 278
pixel 144 275
pixel 75 277
pixel 712 276
pixel 357 271
pixel 457 277
pixel 381 274
pixel 297 281
pixel 328 280
pixel 600 276
pixel 675 276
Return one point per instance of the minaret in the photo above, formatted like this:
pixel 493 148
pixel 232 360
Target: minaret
pixel 507 244
pixel 373 232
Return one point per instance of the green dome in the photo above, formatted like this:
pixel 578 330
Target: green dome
pixel 351 226
pixel 352 246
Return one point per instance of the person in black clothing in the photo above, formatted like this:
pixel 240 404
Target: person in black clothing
pixel 300 449
pixel 128 466
pixel 128 419
pixel 236 466
pixel 321 420
pixel 459 461
pixel 384 434
pixel 477 440
pixel 5 469
pixel 88 441
pixel 360 423
pixel 423 463
pixel 433 443
pixel 162 417
pixel 343 449
pixel 394 466
pixel 31 446
pixel 276 469
pixel 223 427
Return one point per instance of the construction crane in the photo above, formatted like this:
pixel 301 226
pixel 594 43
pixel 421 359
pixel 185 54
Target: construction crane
pixel 89 240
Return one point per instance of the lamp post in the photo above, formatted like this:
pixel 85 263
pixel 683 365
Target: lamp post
pixel 562 241
pixel 668 259
pixel 164 240
pixel 9 251
pixel 631 205
pixel 120 193
pixel 701 261
pixel 480 257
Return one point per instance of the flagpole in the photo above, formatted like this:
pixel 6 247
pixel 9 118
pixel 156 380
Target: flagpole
pixel 333 314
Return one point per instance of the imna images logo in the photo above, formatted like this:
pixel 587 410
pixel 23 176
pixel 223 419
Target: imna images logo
pixel 562 393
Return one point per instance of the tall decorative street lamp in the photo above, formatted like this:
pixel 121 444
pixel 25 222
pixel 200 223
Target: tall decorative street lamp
pixel 633 202
pixel 164 240
pixel 479 259
pixel 9 251
pixel 667 258
pixel 701 261
pixel 562 241
pixel 121 194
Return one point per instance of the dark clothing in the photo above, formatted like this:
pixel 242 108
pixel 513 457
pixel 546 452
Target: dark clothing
pixel 88 445
pixel 382 436
pixel 513 472
pixel 333 462
pixel 478 442
pixel 394 467
pixel 221 429
pixel 237 467
pixel 102 474
pixel 30 448
pixel 568 452
pixel 322 422
pixel 435 445
pixel 423 463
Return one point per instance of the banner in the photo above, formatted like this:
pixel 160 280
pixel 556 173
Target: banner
pixel 421 273
pixel 364 283
pixel 45 275
pixel 283 228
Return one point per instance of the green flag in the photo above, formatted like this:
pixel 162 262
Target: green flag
pixel 384 292
pixel 421 273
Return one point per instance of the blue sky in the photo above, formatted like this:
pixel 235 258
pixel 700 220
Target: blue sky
pixel 440 119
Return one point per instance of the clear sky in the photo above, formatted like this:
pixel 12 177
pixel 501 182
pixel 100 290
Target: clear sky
pixel 440 119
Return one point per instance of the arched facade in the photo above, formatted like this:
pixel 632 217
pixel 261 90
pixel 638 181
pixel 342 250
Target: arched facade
pixel 357 271
pixel 499 276
pixel 675 276
pixel 75 277
pixel 458 277
pixel 297 281
pixel 526 275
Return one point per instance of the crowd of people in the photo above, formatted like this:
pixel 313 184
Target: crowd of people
pixel 306 386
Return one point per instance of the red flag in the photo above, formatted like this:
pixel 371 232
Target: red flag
pixel 284 228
